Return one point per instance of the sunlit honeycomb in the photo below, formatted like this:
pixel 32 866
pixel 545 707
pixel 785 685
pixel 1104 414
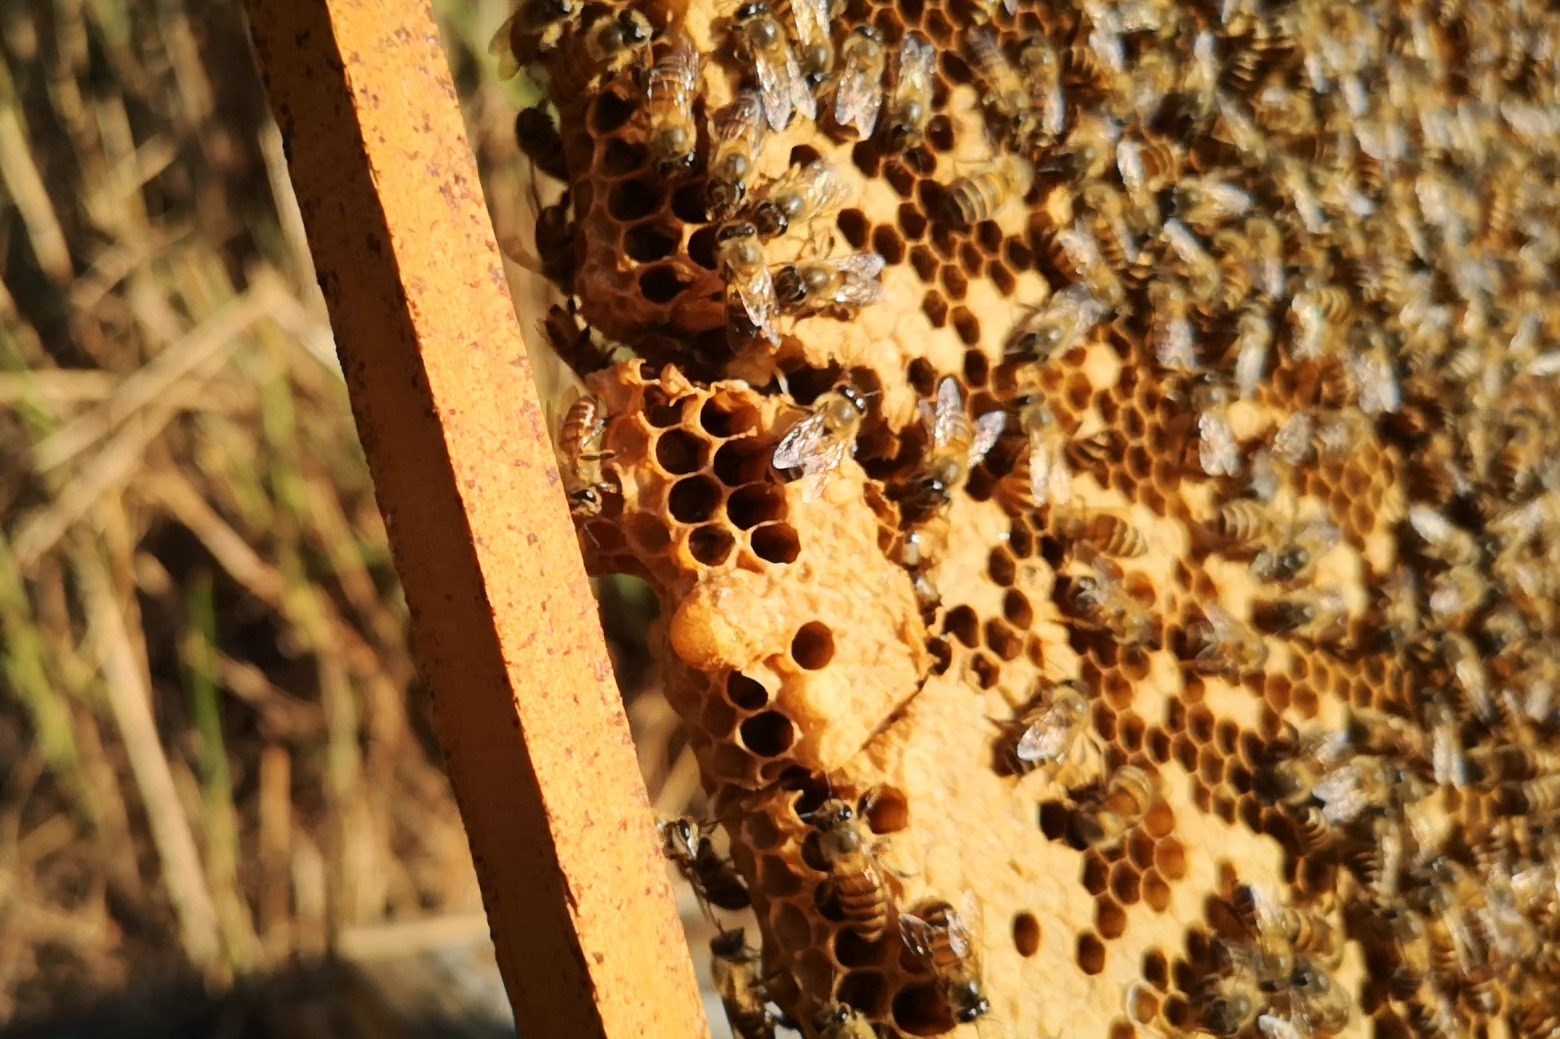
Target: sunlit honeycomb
pixel 1301 569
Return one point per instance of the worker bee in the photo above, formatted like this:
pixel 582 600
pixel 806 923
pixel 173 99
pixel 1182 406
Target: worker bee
pixel 1196 264
pixel 741 254
pixel 1253 340
pixel 915 558
pixel 858 95
pixel 737 136
pixel 1043 71
pixel 1100 602
pixel 799 196
pixel 580 444
pixel 1222 645
pixel 1291 778
pixel 534 28
pixel 980 196
pixel 539 140
pixel 815 47
pixel 1318 1006
pixel 605 47
pixel 1318 615
pixel 1208 203
pixel 1006 95
pixel 1122 804
pixel 1365 783
pixel 762 40
pixel 820 442
pixel 669 90
pixel 910 103
pixel 1050 476
pixel 1058 325
pixel 855 877
pixel 957 446
pixel 686 842
pixel 1050 731
pixel 1218 453
pixel 808 286
pixel 1316 314
pixel 1228 1010
pixel 733 969
pixel 842 1021
pixel 945 940
pixel 1102 531
pixel 1443 540
pixel 1270 956
pixel 1170 332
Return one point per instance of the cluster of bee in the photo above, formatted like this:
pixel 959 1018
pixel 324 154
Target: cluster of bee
pixel 1322 235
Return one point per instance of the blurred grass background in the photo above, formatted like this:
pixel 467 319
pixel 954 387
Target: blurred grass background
pixel 216 765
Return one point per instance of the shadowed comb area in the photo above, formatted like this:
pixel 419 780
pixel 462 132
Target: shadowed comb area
pixel 1161 569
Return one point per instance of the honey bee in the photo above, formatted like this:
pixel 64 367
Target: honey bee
pixel 910 103
pixel 1318 1006
pixel 1043 70
pixel 820 442
pixel 945 940
pixel 841 1021
pixel 858 96
pixel 733 969
pixel 1051 731
pixel 1364 784
pixel 763 41
pixel 1207 203
pixel 604 48
pixel 814 45
pixel 1198 266
pixel 1170 332
pixel 980 196
pixel 1227 1011
pixel 1319 615
pixel 686 842
pixel 957 446
pixel 1444 541
pixel 1270 957
pixel 1217 450
pixel 1291 779
pixel 1124 802
pixel 741 254
pixel 580 444
pixel 1099 601
pixel 669 90
pixel 1050 475
pixel 535 27
pixel 1057 326
pixel 539 140
pixel 1105 532
pixel 855 877
pixel 737 136
pixel 1006 94
pixel 808 286
pixel 799 196
pixel 1222 645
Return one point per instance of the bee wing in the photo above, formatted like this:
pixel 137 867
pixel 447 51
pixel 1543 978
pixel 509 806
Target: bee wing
pixel 858 98
pixel 962 926
pixel 828 189
pixel 987 429
pixel 799 444
pixel 1047 739
pixel 775 87
pixel 500 47
pixel 745 115
pixel 861 286
pixel 758 299
pixel 950 411
pixel 796 88
pixel 1050 478
pixel 917 934
pixel 686 56
pixel 812 20
pixel 916 61
pixel 1216 448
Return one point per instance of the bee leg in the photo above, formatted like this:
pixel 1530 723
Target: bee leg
pixel 880 852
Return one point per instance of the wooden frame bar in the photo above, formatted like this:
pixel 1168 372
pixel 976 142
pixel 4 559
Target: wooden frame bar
pixel 506 629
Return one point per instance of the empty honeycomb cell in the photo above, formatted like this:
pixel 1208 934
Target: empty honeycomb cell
pixel 754 504
pixel 680 452
pixel 1104 722
pixel 971 261
pixel 1140 848
pixel 1055 818
pixel 688 202
pixel 900 177
pixel 853 224
pixel 650 241
pixel 1156 969
pixel 768 734
pixel 694 499
pixel 648 535
pixel 731 763
pixel 1304 702
pixel 1251 814
pixel 1225 734
pixel 611 112
pixel 1124 878
pixel 1003 640
pixel 1210 766
pixel 866 990
pixel 1096 874
pixel 1156 893
pixel 745 693
pixel 1130 729
pixel 1224 807
pixel 1238 776
pixel 740 462
pixel 966 325
pixel 635 199
pixel 1276 690
pixel 619 157
pixel 912 224
pixel 1091 953
pixel 711 544
pixel 1002 279
pixel 918 1010
pixel 954 283
pixel 662 283
pixel 813 646
pixel 1158 745
pixel 1110 920
pixel 1134 663
pixel 701 247
pixel 1026 933
pixel 1016 608
pixel 986 671
pixel 887 244
pixel 962 623
pixel 776 543
pixel 1200 723
pixel 776 879
pixel 935 307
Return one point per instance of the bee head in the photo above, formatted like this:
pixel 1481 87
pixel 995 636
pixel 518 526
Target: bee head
pixel 676 167
pixel 970 1000
pixel 790 287
pixel 752 10
pixel 729 945
pixel 771 220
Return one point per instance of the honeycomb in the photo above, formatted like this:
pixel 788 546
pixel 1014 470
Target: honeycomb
pixel 1235 323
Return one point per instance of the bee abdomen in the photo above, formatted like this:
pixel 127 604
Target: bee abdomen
pixel 863 901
